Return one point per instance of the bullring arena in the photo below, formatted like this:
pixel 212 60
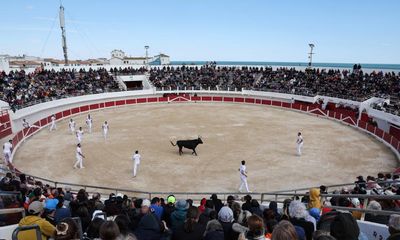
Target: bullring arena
pixel 264 136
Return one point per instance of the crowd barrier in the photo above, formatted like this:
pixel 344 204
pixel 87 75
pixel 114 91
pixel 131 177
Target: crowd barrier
pixel 344 116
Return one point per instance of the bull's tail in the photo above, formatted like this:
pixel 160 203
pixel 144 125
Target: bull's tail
pixel 173 144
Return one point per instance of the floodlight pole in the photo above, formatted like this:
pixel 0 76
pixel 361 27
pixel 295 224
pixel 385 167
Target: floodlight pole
pixel 310 54
pixel 147 56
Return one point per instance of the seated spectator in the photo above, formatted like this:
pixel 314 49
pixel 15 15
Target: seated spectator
pixel 255 229
pixel 214 231
pixel 345 227
pixel 255 208
pixel 240 215
pixel 109 231
pixel 315 199
pixel 169 208
pixel 149 227
pixel 274 207
pixel 61 211
pixel 394 227
pixel 285 231
pixel 298 215
pixel 247 204
pixel 202 206
pixel 372 217
pixel 205 216
pixel 35 210
pixel 190 229
pixel 225 217
pixel 67 229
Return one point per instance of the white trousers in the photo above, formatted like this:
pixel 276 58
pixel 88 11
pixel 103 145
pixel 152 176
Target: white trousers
pixel 7 157
pixel 79 161
pixel 299 147
pixel 53 126
pixel 79 139
pixel 135 169
pixel 90 128
pixel 72 129
pixel 105 134
pixel 243 183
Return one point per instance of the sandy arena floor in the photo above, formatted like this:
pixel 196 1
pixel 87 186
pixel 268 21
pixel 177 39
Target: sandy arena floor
pixel 263 136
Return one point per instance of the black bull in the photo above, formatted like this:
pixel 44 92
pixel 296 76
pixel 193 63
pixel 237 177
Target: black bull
pixel 189 144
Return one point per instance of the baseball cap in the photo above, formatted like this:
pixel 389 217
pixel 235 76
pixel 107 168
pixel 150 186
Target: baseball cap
pixel 146 202
pixel 171 199
pixel 35 207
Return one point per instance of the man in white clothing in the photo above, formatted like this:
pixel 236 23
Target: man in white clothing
pixel 53 123
pixel 71 125
pixel 7 149
pixel 243 177
pixel 299 142
pixel 105 129
pixel 89 122
pixel 136 162
pixel 25 124
pixel 79 157
pixel 79 134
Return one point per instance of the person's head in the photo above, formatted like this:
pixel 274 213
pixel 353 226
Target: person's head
pixel 136 152
pixel 67 229
pixel 80 128
pixel 156 201
pixel 10 141
pixel 209 204
pixel 109 230
pixel 36 208
pixel 394 223
pixel 225 214
pixel 123 223
pixel 297 210
pixel 284 230
pixel 93 231
pixel 344 227
pixel 145 206
pixel 322 235
pixel 230 199
pixel 243 162
pixel 374 205
pixel 88 115
pixel 192 216
pixel 247 198
pixel 181 205
pixel 299 134
pixel 71 120
pixel 96 196
pixel 171 200
pixel 105 122
pixel 256 226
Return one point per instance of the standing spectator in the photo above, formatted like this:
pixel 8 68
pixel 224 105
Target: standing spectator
pixel 149 227
pixel 157 209
pixel 179 215
pixel 225 217
pixel 67 229
pixel 298 215
pixel 190 229
pixel 169 208
pixel 35 211
pixel 315 201
pixel 217 202
pixel 109 231
pixel 214 231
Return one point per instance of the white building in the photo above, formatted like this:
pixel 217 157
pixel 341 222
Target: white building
pixel 118 57
pixel 4 63
pixel 161 59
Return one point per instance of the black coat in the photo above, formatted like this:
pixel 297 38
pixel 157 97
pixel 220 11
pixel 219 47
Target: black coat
pixel 197 234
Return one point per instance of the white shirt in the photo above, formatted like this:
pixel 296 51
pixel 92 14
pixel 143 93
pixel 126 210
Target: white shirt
pixel 79 133
pixel 299 140
pixel 78 152
pixel 89 121
pixel 242 171
pixel 71 124
pixel 53 119
pixel 136 158
pixel 25 124
pixel 105 127
pixel 7 147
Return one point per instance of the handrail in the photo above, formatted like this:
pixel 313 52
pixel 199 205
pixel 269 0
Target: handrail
pixel 12 210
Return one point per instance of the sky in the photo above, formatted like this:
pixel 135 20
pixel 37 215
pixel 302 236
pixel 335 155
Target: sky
pixel 343 31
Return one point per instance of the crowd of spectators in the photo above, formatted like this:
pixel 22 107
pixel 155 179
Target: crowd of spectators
pixel 61 213
pixel 20 89
pixel 353 85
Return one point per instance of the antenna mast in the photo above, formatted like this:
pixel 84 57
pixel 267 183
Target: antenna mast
pixel 64 37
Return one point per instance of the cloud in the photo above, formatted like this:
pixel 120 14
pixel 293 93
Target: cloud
pixel 29 7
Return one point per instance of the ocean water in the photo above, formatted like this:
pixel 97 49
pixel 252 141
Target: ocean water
pixel 394 67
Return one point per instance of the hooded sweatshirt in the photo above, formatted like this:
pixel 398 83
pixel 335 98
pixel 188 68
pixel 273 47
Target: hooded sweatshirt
pixel 46 228
pixel 315 201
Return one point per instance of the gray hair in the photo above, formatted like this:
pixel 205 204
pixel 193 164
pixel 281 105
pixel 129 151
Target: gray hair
pixel 374 205
pixel 394 222
pixel 297 210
